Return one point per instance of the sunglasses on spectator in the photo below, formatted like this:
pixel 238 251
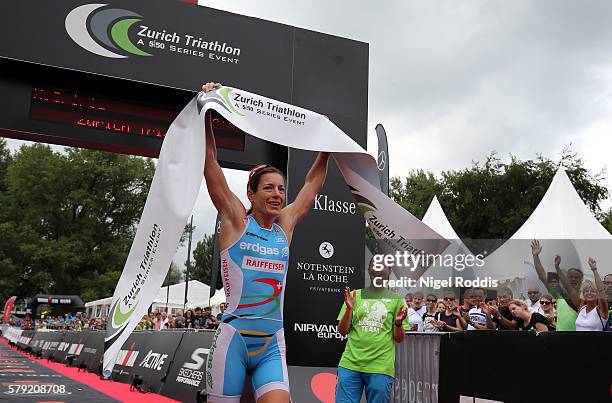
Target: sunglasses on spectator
pixel 431 300
pixel 449 299
pixel 545 302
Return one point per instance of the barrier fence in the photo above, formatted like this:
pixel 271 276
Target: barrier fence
pixel 461 367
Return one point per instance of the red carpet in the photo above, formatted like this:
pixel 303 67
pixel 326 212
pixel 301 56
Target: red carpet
pixel 116 390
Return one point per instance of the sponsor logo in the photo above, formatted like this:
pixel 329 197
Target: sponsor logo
pixel 322 331
pixel 280 239
pixel 375 316
pixel 225 272
pixel 256 236
pixel 127 358
pixel 131 300
pixel 190 373
pixel 326 250
pixel 89 350
pixel 285 251
pixel 103 31
pixel 265 265
pixel 327 273
pixel 119 33
pixel 63 346
pixel 213 346
pixel 75 349
pixel 262 250
pixel 51 300
pixel 382 160
pixel 325 203
pixel 419 389
pixel 153 360
pixel 52 345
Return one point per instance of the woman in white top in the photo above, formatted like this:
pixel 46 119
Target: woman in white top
pixel 594 313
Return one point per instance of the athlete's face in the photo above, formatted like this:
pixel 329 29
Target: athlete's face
pixel 270 196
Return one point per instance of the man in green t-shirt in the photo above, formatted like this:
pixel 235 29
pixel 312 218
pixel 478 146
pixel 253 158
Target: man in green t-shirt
pixel 374 319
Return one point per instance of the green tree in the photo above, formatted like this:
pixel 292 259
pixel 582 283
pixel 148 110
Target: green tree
pixel 491 200
pixel 606 220
pixel 72 216
pixel 416 192
pixel 203 256
pixel 5 160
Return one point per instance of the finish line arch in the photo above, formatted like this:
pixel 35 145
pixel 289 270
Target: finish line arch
pixel 58 90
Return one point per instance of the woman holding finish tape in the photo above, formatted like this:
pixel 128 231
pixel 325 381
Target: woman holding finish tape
pixel 254 247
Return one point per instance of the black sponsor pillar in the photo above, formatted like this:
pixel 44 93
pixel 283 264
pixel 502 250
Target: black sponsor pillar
pixel 330 77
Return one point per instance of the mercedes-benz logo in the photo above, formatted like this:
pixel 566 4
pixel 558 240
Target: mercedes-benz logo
pixel 326 250
pixel 382 160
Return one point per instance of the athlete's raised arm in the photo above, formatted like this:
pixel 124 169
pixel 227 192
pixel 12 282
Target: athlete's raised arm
pixel 228 205
pixel 294 212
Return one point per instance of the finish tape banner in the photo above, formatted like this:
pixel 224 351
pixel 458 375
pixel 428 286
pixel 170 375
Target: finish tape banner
pixel 178 178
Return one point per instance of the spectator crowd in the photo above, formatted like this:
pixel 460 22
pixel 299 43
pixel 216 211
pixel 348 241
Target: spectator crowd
pixel 197 318
pixel 569 302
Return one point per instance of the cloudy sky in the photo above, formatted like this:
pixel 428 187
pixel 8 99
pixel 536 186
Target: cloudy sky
pixel 452 81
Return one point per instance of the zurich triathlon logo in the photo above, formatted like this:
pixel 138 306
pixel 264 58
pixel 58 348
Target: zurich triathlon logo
pixel 103 32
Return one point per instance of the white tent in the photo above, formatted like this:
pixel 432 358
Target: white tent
pixel 172 296
pixel 565 226
pixel 436 219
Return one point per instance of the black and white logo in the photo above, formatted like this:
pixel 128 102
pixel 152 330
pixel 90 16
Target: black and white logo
pixel 382 160
pixel 154 360
pixel 325 203
pixel 326 250
pixel 191 373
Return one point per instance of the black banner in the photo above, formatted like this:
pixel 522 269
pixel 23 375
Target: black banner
pixel 170 44
pixel 92 351
pixel 313 384
pixel 62 348
pixel 51 344
pixel 148 354
pixel 187 374
pixel 38 340
pixel 522 367
pixel 71 345
pixel 26 338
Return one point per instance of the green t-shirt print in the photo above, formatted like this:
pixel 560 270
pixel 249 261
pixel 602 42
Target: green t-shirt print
pixel 371 347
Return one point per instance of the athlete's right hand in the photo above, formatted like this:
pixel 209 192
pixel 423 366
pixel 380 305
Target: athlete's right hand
pixel 208 87
pixel 349 298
